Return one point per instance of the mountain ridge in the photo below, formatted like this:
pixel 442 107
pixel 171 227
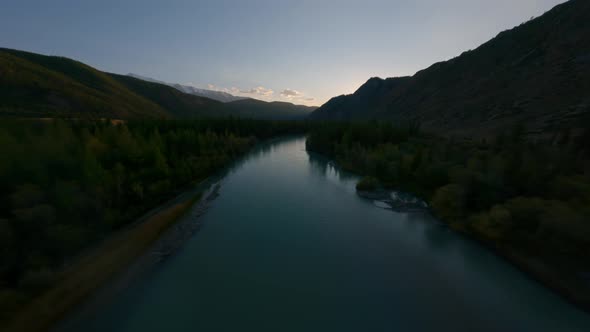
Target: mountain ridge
pixel 211 94
pixel 36 85
pixel 250 106
pixel 536 73
pixel 70 88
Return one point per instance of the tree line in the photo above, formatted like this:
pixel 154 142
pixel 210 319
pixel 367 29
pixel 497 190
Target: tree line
pixel 68 184
pixel 529 197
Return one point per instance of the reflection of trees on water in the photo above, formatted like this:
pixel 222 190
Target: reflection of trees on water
pixel 259 151
pixel 438 237
pixel 326 168
pixel 442 241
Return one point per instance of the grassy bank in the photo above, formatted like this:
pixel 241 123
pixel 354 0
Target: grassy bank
pixel 80 279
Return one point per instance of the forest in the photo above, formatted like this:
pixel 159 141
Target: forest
pixel 68 184
pixel 530 199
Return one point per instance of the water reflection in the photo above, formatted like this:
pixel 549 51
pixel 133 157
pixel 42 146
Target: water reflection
pixel 325 167
pixel 259 151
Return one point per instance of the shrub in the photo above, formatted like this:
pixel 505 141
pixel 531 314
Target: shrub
pixel 449 202
pixel 367 183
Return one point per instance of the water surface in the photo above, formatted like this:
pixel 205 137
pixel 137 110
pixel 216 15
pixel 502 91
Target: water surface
pixel 289 246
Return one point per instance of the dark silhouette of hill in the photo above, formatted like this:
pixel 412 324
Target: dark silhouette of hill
pixel 177 103
pixel 211 94
pixel 275 110
pixel 537 74
pixel 239 106
pixel 35 85
pixel 45 86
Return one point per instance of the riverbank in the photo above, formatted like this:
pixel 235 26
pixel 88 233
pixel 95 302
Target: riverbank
pixel 302 235
pixel 527 199
pixel 556 279
pixel 80 279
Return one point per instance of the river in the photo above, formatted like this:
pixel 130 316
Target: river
pixel 289 246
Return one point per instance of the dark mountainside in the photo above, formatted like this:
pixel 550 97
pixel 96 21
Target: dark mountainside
pixel 240 106
pixel 361 104
pixel 275 110
pixel 178 104
pixel 537 74
pixel 35 85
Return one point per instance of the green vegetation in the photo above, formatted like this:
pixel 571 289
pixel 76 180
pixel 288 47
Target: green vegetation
pixel 252 108
pixel 69 184
pixel 530 200
pixel 33 85
pixel 367 183
pixel 85 275
pixel 176 103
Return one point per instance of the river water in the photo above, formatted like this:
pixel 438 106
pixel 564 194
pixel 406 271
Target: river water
pixel 289 246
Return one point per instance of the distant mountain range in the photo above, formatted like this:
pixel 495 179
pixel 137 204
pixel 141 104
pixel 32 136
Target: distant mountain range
pixel 537 74
pixel 221 96
pixel 35 85
pixel 242 106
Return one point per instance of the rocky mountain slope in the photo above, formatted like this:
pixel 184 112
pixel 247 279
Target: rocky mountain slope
pixel 537 74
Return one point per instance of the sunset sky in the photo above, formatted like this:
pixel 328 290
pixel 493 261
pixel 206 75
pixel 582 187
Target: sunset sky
pixel 299 51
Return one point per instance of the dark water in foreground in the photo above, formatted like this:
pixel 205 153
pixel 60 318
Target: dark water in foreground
pixel 289 246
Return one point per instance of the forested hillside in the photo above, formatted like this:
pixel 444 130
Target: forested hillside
pixel 248 108
pixel 35 85
pixel 178 104
pixel 530 201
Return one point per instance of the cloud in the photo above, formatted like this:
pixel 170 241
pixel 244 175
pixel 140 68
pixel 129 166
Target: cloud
pixel 260 90
pixel 266 94
pixel 296 96
pixel 288 93
pixel 217 88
